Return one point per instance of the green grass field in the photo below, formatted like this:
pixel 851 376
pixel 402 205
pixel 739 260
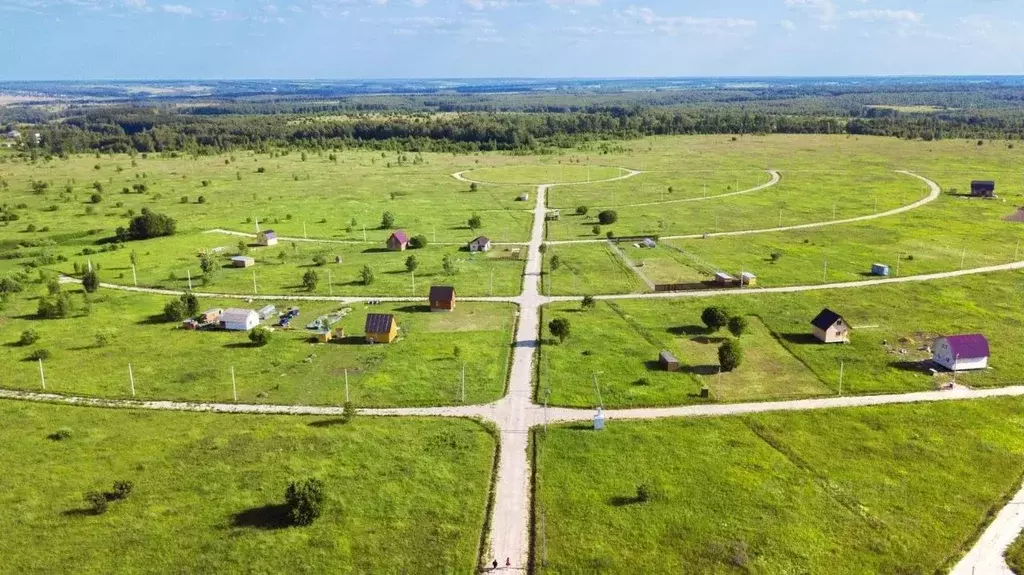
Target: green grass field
pixel 1015 556
pixel 420 368
pixel 403 495
pixel 870 490
pixel 547 173
pixel 621 340
pixel 169 262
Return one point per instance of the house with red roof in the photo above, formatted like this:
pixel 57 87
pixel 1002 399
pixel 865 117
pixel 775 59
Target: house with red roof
pixel 961 352
pixel 398 241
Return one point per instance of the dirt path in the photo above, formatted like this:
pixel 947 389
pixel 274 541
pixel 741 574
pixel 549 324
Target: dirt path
pixel 934 192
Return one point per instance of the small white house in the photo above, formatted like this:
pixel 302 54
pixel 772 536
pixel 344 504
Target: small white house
pixel 239 319
pixel 267 238
pixel 830 327
pixel 480 244
pixel 267 311
pixel 961 352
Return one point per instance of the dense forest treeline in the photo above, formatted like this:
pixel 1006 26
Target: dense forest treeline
pixel 528 121
pixel 147 129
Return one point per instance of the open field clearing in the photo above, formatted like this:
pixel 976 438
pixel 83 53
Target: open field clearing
pixel 648 187
pixel 168 263
pixel 221 480
pixel 880 490
pixel 620 341
pixel 332 199
pixel 90 354
pixel 550 173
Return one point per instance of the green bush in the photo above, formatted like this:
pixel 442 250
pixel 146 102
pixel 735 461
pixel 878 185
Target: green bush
pixel 91 281
pixel 738 325
pixel 730 355
pixel 714 317
pixel 607 217
pixel 259 336
pixel 387 221
pixel 588 302
pixel 559 328
pixel 320 259
pixel 61 434
pixel 418 242
pixel 174 310
pixel 305 501
pixel 310 279
pixel 582 210
pixel 97 502
pixel 39 355
pixel 122 489
pixel 366 275
pixel 28 337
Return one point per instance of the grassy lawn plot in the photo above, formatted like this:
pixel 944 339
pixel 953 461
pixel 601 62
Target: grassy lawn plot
pixel 588 269
pixel 619 342
pixel 549 173
pixel 896 489
pixel 892 326
pixel 402 495
pixel 168 263
pixel 1015 556
pixel 90 353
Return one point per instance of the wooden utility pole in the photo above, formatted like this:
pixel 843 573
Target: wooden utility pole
pixel 234 388
pixel 42 375
pixel 131 379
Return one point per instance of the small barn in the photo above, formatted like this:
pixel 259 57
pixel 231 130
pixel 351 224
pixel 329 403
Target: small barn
pixel 523 197
pixel 553 215
pixel 961 352
pixel 649 243
pixel 983 189
pixel 267 312
pixel 748 279
pixel 398 241
pixel 830 327
pixel 667 361
pixel 324 336
pixel 210 316
pixel 234 319
pixel 879 270
pixel 242 261
pixel 442 298
pixel 381 328
pixel 480 244
pixel 266 238
pixel 724 279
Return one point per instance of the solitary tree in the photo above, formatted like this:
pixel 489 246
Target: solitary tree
pixel 366 275
pixel 448 263
pixel 596 230
pixel 91 281
pixel 738 325
pixel 305 501
pixel 259 336
pixel 473 187
pixel 559 328
pixel 411 264
pixel 582 210
pixel 320 259
pixel 556 262
pixel 607 217
pixel 475 222
pixel 174 310
pixel 387 221
pixel 588 302
pixel 310 279
pixel 715 318
pixel 730 354
pixel 28 337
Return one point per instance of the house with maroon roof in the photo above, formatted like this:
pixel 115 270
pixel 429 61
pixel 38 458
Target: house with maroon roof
pixel 398 241
pixel 442 298
pixel 961 352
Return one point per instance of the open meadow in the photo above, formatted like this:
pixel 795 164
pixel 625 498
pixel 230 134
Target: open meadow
pixel 89 353
pixel 208 492
pixel 619 341
pixel 899 489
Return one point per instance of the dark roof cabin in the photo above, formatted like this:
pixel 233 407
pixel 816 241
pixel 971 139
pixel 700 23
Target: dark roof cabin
pixel 830 327
pixel 668 361
pixel 983 189
pixel 381 328
pixel 442 298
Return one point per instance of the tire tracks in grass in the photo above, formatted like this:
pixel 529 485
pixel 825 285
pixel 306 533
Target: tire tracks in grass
pixel 841 496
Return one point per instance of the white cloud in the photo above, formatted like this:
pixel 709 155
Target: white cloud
pixel 676 24
pixel 880 15
pixel 135 3
pixel 574 2
pixel 824 10
pixel 178 9
pixel 788 25
pixel 418 3
pixel 482 4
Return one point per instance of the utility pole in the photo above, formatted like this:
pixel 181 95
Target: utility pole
pixel 413 283
pixel 841 365
pixel 780 217
pixel 254 290
pixel 135 278
pixel 346 385
pixel 1015 250
pixel 257 224
pixel 304 231
pixel 597 389
pixel 189 273
pixel 330 284
pixel 824 273
pixel 364 233
pixel 490 289
pixel 42 376
pixel 898 258
pixel 463 382
pixel 963 255
pixel 131 379
pixel 234 388
pixel 833 212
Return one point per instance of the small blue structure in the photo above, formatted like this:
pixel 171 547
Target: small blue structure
pixel 599 420
pixel 879 270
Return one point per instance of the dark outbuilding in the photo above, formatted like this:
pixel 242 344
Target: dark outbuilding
pixel 668 361
pixel 983 189
pixel 442 298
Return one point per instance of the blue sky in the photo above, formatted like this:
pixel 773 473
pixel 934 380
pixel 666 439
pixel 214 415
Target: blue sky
pixel 142 39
